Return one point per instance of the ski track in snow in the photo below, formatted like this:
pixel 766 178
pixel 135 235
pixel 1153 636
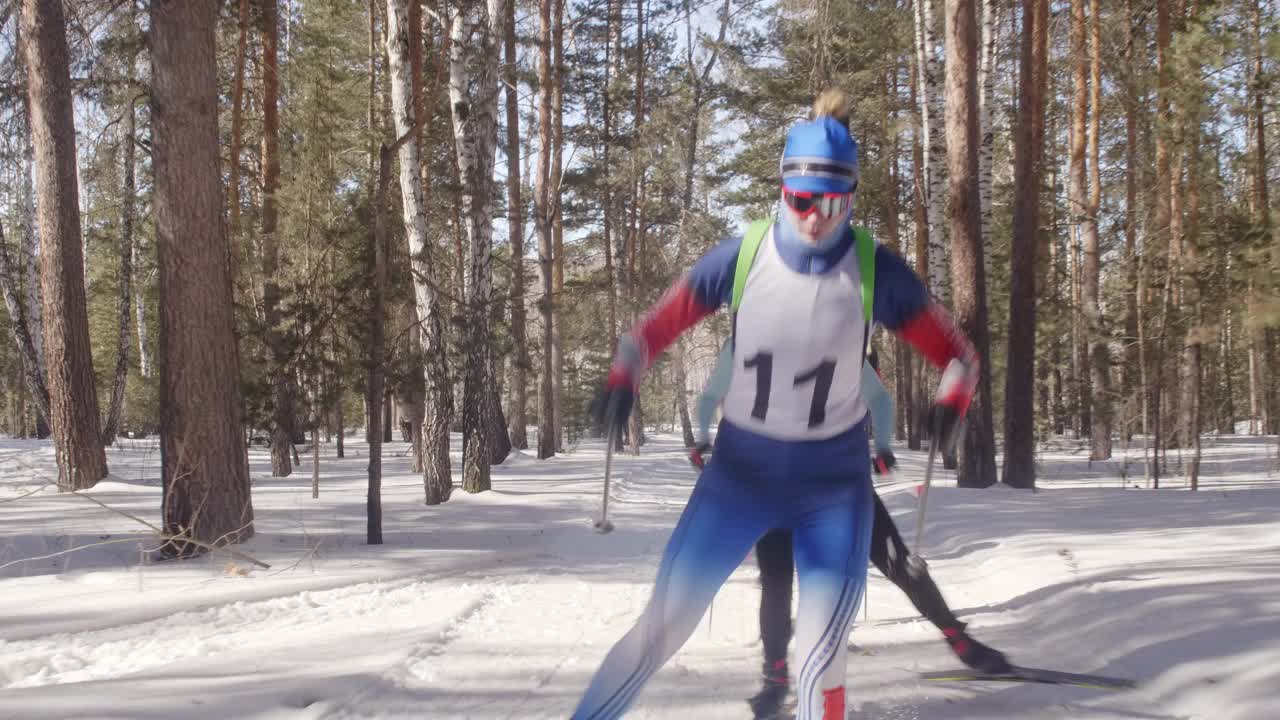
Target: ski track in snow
pixel 1086 579
pixel 209 633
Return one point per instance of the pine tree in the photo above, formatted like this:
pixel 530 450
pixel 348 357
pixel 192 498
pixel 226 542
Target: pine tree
pixel 969 286
pixel 543 193
pixel 1019 427
pixel 520 365
pixel 281 388
pixel 73 395
pixel 204 468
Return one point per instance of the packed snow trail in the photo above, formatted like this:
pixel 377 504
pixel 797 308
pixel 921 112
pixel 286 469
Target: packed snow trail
pixel 501 605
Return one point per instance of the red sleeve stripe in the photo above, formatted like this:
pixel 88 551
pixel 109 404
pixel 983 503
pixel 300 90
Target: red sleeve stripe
pixel 677 311
pixel 937 337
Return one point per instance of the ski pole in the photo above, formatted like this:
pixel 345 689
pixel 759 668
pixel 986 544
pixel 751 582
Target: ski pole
pixel 924 490
pixel 603 526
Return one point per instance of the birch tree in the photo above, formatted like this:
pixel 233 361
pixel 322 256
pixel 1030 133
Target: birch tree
pixel 986 109
pixel 515 227
pixel 21 332
pixel 31 242
pixel 437 473
pixel 473 98
pixel 930 70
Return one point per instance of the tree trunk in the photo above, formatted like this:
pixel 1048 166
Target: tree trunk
pixel 986 109
pixel 1173 278
pixel 612 71
pixel 204 468
pixel 1163 214
pixel 413 393
pixel 892 237
pixel 126 278
pixel 31 374
pixel 1079 369
pixel 935 142
pixel 26 319
pixel 19 422
pixel 237 125
pixel 376 263
pixel 33 309
pixel 500 443
pixel 340 425
pixel 1227 421
pixel 1019 397
pixel 282 390
pixel 437 474
pixel 635 233
pixel 1077 200
pixel 73 394
pixel 1260 407
pixel 682 396
pixel 473 96
pixel 546 415
pixel 1132 261
pixel 1054 272
pixel 692 134
pixel 969 282
pixel 388 416
pixel 520 366
pixel 1101 412
pixel 1191 375
pixel 557 219
pixel 914 412
pixel 1191 281
pixel 1084 196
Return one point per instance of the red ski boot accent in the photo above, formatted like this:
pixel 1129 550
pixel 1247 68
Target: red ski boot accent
pixel 833 703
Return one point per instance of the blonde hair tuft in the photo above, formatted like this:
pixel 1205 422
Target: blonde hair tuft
pixel 834 103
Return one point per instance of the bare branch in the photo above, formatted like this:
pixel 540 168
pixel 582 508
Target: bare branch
pixel 160 534
pixel 25 494
pixel 68 551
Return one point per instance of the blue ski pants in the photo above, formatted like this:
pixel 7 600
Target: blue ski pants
pixel 821 491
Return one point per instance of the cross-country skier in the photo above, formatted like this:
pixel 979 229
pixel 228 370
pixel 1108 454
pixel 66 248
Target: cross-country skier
pixel 888 552
pixel 791 451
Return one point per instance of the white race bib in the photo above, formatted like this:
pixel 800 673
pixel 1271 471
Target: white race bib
pixel 798 350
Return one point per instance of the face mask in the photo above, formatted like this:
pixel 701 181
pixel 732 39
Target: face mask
pixel 790 233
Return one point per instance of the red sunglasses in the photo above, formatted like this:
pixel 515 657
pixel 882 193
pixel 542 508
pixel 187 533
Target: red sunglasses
pixel 828 205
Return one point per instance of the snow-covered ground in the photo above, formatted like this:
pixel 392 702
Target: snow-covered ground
pixel 500 605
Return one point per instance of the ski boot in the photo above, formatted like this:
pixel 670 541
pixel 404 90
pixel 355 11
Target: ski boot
pixel 975 654
pixel 768 703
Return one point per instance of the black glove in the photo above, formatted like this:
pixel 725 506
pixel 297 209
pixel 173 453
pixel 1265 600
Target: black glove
pixel 955 391
pixel 612 408
pixel 945 425
pixel 698 455
pixel 883 462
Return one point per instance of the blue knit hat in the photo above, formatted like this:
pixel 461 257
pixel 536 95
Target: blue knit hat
pixel 821 157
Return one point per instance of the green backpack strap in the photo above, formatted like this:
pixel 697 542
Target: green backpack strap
pixel 866 248
pixel 746 256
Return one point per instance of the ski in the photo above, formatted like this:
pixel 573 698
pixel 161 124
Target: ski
pixel 1033 675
